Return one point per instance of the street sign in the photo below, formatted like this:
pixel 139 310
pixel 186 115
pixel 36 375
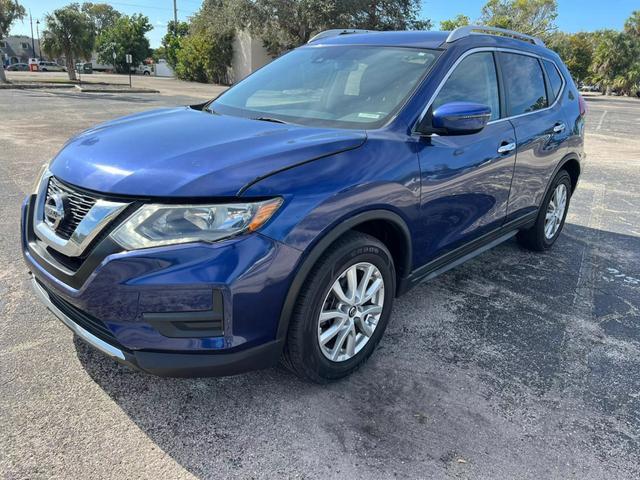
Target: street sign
pixel 129 60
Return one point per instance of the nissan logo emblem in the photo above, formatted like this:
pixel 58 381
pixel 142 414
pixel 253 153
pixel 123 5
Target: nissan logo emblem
pixel 54 210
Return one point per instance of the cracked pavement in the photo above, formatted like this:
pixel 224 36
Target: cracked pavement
pixel 514 365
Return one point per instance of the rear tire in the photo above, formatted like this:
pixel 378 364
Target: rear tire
pixel 355 260
pixel 544 233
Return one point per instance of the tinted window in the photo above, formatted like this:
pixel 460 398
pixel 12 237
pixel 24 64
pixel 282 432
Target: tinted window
pixel 523 83
pixel 554 79
pixel 473 80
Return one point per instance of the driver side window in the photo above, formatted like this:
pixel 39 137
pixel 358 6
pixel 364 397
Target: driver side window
pixel 473 80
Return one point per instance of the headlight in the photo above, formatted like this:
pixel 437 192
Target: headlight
pixel 156 225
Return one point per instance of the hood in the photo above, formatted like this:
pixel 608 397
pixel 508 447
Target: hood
pixel 182 152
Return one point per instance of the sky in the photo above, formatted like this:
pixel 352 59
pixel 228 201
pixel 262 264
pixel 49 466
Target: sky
pixel 573 15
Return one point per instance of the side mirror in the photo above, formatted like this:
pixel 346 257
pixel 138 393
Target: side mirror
pixel 460 118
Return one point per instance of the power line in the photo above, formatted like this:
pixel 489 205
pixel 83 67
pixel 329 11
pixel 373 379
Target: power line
pixel 154 7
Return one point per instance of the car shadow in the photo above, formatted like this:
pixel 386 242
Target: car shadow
pixel 468 360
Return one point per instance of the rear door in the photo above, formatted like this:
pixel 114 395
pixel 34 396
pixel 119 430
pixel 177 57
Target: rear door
pixel 540 125
pixel 466 178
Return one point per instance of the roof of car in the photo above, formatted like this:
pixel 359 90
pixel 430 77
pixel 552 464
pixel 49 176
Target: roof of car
pixel 423 39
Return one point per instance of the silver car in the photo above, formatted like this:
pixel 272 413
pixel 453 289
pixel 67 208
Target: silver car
pixel 50 67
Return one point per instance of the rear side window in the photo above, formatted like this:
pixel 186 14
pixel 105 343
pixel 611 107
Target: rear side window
pixel 473 80
pixel 523 83
pixel 555 80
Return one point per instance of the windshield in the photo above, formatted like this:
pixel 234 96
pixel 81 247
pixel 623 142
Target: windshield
pixel 339 86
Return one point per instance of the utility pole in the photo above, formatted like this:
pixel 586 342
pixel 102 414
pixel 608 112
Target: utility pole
pixel 175 16
pixel 33 43
pixel 38 33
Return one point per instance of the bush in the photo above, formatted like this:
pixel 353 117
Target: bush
pixel 204 58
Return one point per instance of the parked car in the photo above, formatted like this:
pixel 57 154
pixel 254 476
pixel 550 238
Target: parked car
pixel 280 220
pixel 590 88
pixel 84 67
pixel 50 67
pixel 17 67
pixel 143 69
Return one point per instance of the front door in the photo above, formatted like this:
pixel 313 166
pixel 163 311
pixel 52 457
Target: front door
pixel 465 178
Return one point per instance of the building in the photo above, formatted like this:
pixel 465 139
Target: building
pixel 17 49
pixel 248 55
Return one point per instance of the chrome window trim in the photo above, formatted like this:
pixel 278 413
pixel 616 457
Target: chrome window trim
pixel 96 219
pixel 492 49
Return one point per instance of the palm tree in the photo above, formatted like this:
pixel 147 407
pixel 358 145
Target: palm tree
pixel 10 11
pixel 69 32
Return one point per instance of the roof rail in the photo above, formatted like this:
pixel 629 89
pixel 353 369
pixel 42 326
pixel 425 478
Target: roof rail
pixel 336 32
pixel 467 30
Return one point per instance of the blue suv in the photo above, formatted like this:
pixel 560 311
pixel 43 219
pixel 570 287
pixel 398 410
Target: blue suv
pixel 280 220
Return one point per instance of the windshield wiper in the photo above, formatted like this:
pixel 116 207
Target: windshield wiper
pixel 269 119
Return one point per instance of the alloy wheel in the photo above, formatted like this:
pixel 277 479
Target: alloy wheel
pixel 555 211
pixel 350 312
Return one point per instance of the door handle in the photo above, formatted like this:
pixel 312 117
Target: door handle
pixel 559 127
pixel 506 147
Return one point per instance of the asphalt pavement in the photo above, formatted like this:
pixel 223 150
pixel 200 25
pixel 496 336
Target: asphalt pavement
pixel 514 365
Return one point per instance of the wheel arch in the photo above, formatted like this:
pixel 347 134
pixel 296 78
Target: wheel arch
pixel 571 164
pixel 385 225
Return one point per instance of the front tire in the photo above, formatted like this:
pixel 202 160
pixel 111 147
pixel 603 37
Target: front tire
pixel 551 216
pixel 342 310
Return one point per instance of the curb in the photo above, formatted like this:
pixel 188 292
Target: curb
pixel 91 89
pixel 29 86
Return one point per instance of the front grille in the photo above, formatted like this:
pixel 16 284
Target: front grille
pixel 89 323
pixel 77 205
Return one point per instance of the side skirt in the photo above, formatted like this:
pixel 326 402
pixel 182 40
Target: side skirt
pixel 466 252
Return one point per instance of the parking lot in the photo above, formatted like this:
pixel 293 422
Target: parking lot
pixel 515 365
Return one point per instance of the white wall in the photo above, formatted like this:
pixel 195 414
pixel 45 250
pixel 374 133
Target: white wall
pixel 248 56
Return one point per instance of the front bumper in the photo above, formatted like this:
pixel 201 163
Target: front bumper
pixel 119 306
pixel 171 364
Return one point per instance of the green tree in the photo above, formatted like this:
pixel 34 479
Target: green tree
pixel 284 25
pixel 102 15
pixel 10 11
pixel 171 41
pixel 382 15
pixel 632 25
pixel 126 36
pixel 616 63
pixel 158 53
pixel 632 77
pixel 452 24
pixel 576 51
pixel 68 32
pixel 533 17
pixel 204 59
pixel 222 16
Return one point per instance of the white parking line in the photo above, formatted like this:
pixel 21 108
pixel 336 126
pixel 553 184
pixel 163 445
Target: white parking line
pixel 604 114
